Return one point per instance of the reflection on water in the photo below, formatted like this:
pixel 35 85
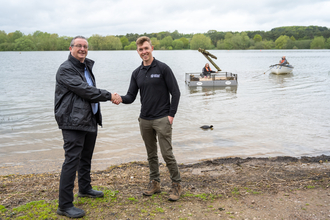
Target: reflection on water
pixel 265 115
pixel 280 78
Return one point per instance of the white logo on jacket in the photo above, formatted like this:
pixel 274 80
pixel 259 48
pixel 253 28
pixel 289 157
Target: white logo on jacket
pixel 155 76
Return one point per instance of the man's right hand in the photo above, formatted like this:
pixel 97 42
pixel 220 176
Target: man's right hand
pixel 116 99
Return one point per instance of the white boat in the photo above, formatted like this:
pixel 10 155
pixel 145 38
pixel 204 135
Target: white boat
pixel 279 69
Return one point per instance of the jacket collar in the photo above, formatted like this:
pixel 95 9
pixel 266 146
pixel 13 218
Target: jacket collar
pixel 151 65
pixel 88 62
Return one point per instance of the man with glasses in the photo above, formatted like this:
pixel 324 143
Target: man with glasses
pixel 78 113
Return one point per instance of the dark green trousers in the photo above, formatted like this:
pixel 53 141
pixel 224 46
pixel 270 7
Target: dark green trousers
pixel 160 129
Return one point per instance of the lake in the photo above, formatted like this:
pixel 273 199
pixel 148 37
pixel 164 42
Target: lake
pixel 266 115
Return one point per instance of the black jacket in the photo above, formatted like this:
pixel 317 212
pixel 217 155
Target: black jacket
pixel 155 82
pixel 73 96
pixel 205 72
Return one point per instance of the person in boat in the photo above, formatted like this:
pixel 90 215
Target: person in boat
pixel 206 73
pixel 283 61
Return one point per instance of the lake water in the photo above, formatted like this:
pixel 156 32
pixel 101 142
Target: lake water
pixel 266 115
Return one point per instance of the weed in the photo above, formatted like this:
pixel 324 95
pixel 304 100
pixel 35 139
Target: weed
pixel 159 210
pixel 2 208
pixel 133 199
pixel 235 191
pixel 42 209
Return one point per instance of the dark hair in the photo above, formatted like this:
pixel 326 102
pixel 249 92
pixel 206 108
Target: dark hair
pixel 81 37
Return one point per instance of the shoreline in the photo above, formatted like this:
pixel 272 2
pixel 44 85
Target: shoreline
pixel 224 187
pixel 55 167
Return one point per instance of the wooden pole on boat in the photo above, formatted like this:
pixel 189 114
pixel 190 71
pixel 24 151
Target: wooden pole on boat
pixel 207 54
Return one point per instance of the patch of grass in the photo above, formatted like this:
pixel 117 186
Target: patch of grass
pixel 235 191
pixel 133 199
pixel 42 209
pixel 310 187
pixel 159 210
pixel 109 196
pixel 202 196
pixel 2 208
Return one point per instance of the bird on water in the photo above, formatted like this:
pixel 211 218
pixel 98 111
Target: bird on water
pixel 207 127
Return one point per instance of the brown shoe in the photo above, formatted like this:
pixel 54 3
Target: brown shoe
pixel 175 192
pixel 153 187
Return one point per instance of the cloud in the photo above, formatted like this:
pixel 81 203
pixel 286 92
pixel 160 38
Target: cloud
pixel 119 17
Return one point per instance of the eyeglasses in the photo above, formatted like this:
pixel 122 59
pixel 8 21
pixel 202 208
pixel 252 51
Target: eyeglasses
pixel 80 46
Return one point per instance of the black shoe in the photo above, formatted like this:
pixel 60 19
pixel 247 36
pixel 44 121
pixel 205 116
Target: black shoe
pixel 71 212
pixel 91 193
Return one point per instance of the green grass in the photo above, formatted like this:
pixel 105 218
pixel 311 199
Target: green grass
pixel 47 210
pixel 2 208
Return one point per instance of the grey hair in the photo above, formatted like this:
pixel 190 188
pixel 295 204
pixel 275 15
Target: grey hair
pixel 81 37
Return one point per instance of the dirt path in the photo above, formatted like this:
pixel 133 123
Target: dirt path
pixel 227 188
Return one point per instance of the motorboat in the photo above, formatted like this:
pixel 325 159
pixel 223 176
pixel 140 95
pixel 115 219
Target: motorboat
pixel 279 69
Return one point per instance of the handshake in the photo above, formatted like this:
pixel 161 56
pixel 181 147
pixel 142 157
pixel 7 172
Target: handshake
pixel 116 98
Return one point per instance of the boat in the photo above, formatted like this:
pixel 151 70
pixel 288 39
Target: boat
pixel 217 79
pixel 279 69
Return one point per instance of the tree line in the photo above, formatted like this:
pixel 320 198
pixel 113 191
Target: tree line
pixel 292 37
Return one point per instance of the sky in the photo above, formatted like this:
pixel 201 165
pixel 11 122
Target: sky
pixel 119 17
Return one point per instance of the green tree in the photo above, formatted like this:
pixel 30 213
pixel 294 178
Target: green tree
pixel 318 43
pixel 124 41
pixel 24 44
pixel 175 34
pixel 95 41
pixel 177 44
pixel 327 44
pixel 132 37
pixel 155 43
pixel 11 37
pixel 163 34
pixel 257 38
pixel 166 43
pixel 303 44
pixel 281 42
pixel 131 46
pixel 200 41
pixel 3 37
pixel 111 43
pixel 215 36
pixel 185 42
pixel 63 43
